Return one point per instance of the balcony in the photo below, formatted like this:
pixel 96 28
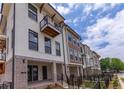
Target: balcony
pixel 49 27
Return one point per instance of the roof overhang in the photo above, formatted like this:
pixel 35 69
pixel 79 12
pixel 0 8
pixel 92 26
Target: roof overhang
pixel 51 11
pixel 73 32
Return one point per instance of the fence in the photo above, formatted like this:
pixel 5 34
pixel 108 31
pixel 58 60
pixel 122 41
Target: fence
pixel 6 85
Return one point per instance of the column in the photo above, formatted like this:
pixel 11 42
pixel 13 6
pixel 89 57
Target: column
pixel 82 71
pixel 63 72
pixel 54 72
pixel 78 73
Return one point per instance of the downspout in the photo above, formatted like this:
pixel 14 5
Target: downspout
pixel 13 46
pixel 64 55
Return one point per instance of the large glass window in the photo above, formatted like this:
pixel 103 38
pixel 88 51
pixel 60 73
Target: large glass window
pixel 33 40
pixel 71 51
pixel 76 55
pixel 32 12
pixel 58 52
pixel 48 45
pixel 69 37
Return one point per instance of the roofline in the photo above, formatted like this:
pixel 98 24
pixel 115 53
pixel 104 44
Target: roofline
pixel 55 10
pixel 96 53
pixel 73 31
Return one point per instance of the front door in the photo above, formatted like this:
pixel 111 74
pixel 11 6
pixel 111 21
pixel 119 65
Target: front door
pixel 32 72
pixel 44 72
pixel 29 73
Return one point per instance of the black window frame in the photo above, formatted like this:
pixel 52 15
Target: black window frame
pixel 30 41
pixel 58 51
pixel 71 55
pixel 70 39
pixel 32 10
pixel 48 47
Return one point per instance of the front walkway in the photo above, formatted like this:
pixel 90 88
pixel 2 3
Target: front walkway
pixel 122 83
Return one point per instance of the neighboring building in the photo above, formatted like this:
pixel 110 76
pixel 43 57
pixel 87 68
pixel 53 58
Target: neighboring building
pixel 96 67
pixel 91 65
pixel 37 48
pixel 72 52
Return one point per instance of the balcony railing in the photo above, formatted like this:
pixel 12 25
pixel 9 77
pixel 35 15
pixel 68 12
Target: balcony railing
pixel 47 22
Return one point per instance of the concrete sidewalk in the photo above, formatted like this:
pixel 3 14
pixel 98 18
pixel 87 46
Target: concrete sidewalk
pixel 122 83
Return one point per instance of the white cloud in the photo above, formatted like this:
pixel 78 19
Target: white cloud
pixel 115 33
pixel 68 21
pixel 65 9
pixel 88 8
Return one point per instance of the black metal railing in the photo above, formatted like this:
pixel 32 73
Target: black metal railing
pixel 6 85
pixel 47 20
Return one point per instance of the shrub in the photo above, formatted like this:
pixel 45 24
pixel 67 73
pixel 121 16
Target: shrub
pixel 88 84
pixel 115 83
pixel 102 84
pixel 122 78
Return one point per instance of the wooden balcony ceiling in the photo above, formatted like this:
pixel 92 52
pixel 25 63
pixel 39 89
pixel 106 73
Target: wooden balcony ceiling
pixel 2 42
pixel 51 32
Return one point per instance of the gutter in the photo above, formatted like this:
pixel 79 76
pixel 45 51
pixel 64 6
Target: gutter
pixel 64 55
pixel 13 46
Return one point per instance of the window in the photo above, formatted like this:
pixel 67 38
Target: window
pixel 32 12
pixel 76 55
pixel 80 58
pixel 58 52
pixel 33 40
pixel 69 37
pixel 71 51
pixel 47 45
pixel 74 41
pixel 32 73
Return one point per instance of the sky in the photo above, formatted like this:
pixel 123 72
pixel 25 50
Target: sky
pixel 101 26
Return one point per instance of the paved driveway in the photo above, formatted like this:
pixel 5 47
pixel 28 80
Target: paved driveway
pixel 122 83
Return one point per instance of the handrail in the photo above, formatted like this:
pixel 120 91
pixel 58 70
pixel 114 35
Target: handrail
pixel 47 20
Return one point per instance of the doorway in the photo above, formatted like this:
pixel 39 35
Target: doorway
pixel 44 72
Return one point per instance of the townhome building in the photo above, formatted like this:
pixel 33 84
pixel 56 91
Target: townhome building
pixel 72 52
pixel 96 67
pixel 37 48
pixel 34 46
pixel 91 64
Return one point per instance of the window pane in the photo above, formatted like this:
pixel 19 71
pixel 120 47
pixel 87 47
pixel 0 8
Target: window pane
pixel 32 15
pixel 32 12
pixel 33 40
pixel 58 49
pixel 31 7
pixel 47 45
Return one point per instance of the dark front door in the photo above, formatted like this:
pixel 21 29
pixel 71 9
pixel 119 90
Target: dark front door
pixel 29 73
pixel 32 72
pixel 44 69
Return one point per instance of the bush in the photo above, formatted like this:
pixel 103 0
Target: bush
pixel 88 84
pixel 115 83
pixel 102 84
pixel 122 78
